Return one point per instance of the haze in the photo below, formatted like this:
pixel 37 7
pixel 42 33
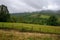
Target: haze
pixel 15 6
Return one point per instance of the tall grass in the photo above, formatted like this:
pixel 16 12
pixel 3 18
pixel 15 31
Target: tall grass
pixel 30 27
pixel 15 35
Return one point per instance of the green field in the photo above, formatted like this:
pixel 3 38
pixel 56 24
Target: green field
pixel 30 27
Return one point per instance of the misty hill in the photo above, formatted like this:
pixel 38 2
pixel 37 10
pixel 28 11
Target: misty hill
pixel 39 17
pixel 44 12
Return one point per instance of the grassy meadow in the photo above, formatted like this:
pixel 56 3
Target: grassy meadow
pixel 24 31
pixel 31 27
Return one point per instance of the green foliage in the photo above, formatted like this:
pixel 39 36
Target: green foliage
pixel 41 18
pixel 4 14
pixel 52 21
pixel 13 19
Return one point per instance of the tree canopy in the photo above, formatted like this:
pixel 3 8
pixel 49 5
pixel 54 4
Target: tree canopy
pixel 4 14
pixel 52 21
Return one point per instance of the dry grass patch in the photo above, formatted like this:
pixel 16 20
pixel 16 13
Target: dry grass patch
pixel 16 35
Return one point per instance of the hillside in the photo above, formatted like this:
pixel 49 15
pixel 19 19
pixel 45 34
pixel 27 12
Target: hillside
pixel 46 12
pixel 40 17
pixel 42 14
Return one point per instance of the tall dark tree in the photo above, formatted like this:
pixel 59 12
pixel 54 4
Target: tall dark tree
pixel 4 14
pixel 52 21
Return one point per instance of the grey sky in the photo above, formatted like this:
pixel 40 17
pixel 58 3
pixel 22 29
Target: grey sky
pixel 30 5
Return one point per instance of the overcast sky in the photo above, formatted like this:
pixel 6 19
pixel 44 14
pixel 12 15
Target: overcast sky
pixel 30 5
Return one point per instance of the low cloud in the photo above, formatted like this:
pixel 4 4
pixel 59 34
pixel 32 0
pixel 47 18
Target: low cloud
pixel 30 5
